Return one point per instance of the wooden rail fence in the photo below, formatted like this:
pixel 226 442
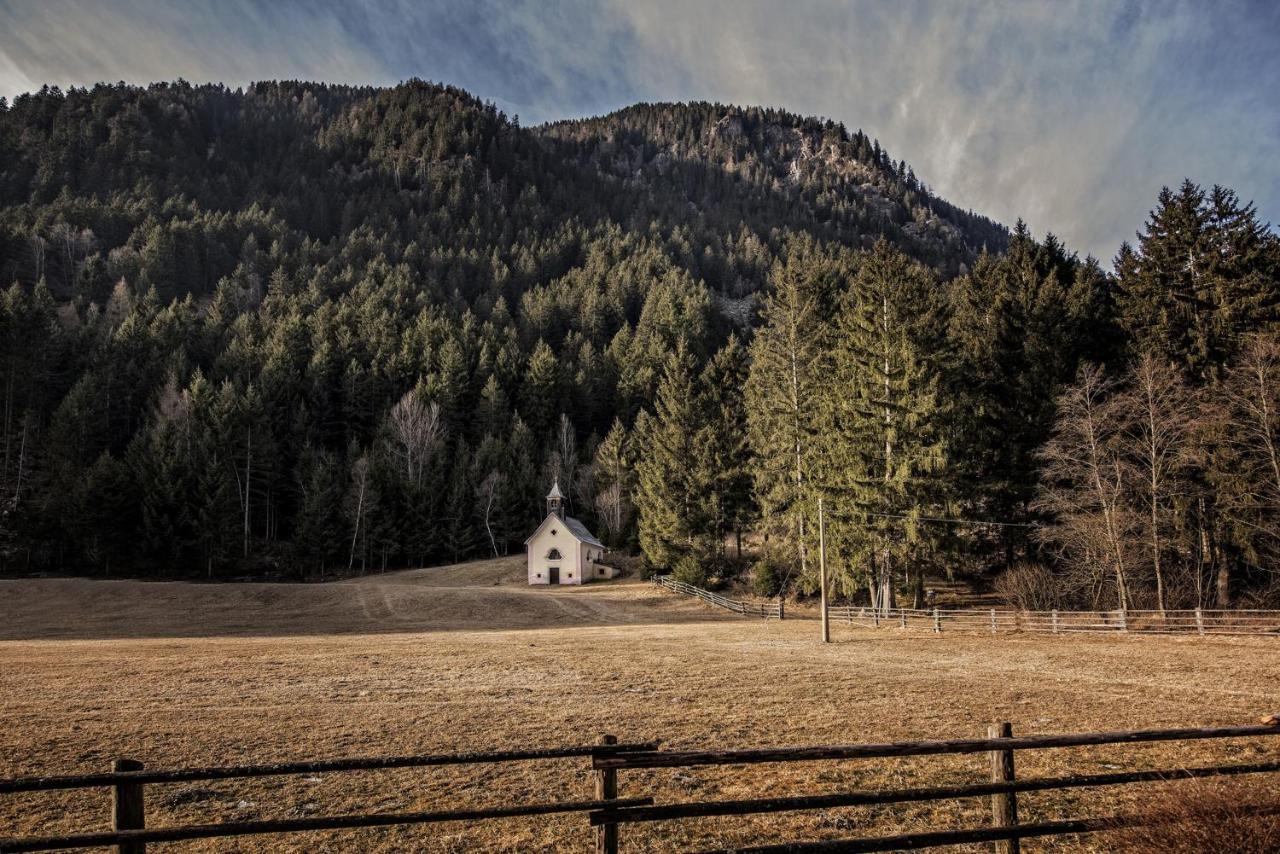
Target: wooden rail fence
pixel 609 813
pixel 751 609
pixel 1000 745
pixel 994 620
pixel 128 780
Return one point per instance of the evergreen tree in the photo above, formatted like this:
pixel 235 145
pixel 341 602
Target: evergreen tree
pixel 729 450
pixel 1203 273
pixel 784 384
pixel 883 453
pixel 614 482
pixel 674 471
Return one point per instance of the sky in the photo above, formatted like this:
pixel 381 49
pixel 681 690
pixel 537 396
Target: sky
pixel 1069 114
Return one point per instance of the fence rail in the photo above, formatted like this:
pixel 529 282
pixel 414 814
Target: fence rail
pixel 609 814
pixel 751 609
pixel 995 620
pixel 128 778
pixel 1003 788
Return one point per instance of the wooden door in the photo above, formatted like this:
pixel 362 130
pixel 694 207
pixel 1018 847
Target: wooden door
pixel 553 575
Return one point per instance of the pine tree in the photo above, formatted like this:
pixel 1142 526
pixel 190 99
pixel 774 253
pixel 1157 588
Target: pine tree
pixel 674 472
pixel 729 451
pixel 458 513
pixel 1203 273
pixel 883 453
pixel 613 481
pixel 788 363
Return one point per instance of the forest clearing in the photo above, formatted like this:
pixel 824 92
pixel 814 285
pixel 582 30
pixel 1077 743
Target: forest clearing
pixel 469 658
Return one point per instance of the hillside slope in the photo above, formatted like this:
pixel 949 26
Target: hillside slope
pixel 740 168
pixel 475 596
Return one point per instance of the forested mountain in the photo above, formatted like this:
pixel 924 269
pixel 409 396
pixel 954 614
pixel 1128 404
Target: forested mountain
pixel 310 328
pixel 737 172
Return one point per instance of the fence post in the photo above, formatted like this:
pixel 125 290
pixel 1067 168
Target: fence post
pixel 937 623
pixel 1055 621
pixel 128 809
pixel 1004 806
pixel 1199 621
pixel 1124 620
pixel 822 571
pixel 993 621
pixel 607 790
pixel 903 615
pixel 782 608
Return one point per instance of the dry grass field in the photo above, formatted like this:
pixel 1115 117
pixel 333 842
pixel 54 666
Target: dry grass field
pixel 469 658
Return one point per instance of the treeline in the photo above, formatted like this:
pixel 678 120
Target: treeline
pixel 1104 441
pixel 303 328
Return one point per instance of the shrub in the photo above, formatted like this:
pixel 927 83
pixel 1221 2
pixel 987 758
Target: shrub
pixel 690 570
pixel 766 578
pixel 1029 586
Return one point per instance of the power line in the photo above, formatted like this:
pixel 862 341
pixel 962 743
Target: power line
pixel 935 519
pixel 945 521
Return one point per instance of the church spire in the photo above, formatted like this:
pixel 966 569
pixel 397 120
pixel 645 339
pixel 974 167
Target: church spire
pixel 555 500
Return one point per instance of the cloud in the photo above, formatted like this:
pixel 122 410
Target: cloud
pixel 81 42
pixel 1069 114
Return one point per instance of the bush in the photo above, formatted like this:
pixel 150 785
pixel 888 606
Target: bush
pixel 690 570
pixel 766 578
pixel 1029 586
pixel 1207 816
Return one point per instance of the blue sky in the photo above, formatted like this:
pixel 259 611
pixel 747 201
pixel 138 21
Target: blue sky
pixel 1070 114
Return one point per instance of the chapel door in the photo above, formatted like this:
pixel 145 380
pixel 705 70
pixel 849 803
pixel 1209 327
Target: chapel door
pixel 553 575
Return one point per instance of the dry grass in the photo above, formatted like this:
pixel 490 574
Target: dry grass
pixel 1222 816
pixel 468 658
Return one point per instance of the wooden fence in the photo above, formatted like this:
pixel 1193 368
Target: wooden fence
pixel 996 620
pixel 1004 787
pixel 1198 621
pixel 610 814
pixel 128 780
pixel 751 609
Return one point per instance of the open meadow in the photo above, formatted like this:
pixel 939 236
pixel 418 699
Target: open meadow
pixel 469 658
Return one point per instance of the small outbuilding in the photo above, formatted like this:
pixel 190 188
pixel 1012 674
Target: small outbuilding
pixel 562 550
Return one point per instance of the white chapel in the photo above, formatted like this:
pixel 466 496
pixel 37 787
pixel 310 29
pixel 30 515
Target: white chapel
pixel 562 550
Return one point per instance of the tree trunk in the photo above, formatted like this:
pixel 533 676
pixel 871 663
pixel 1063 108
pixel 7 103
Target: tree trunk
pixel 1223 582
pixel 248 468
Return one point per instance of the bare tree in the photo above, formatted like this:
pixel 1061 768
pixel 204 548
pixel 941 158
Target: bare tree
pixel 1158 410
pixel 416 429
pixel 566 453
pixel 1248 473
pixel 74 245
pixel 487 491
pixel 39 248
pixel 614 511
pixel 358 504
pixel 1084 488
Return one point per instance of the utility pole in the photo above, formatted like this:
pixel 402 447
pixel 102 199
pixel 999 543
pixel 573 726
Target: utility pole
pixel 822 570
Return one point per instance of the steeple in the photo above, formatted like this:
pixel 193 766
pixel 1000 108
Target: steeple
pixel 555 500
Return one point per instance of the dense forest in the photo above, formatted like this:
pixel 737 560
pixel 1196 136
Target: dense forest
pixel 304 329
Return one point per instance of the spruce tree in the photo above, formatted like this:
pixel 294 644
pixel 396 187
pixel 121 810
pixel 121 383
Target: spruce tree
pixel 729 449
pixel 1204 272
pixel 674 472
pixel 883 453
pixel 613 480
pixel 788 362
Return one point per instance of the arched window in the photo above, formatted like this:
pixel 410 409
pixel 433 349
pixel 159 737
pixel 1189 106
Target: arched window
pixel 554 554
